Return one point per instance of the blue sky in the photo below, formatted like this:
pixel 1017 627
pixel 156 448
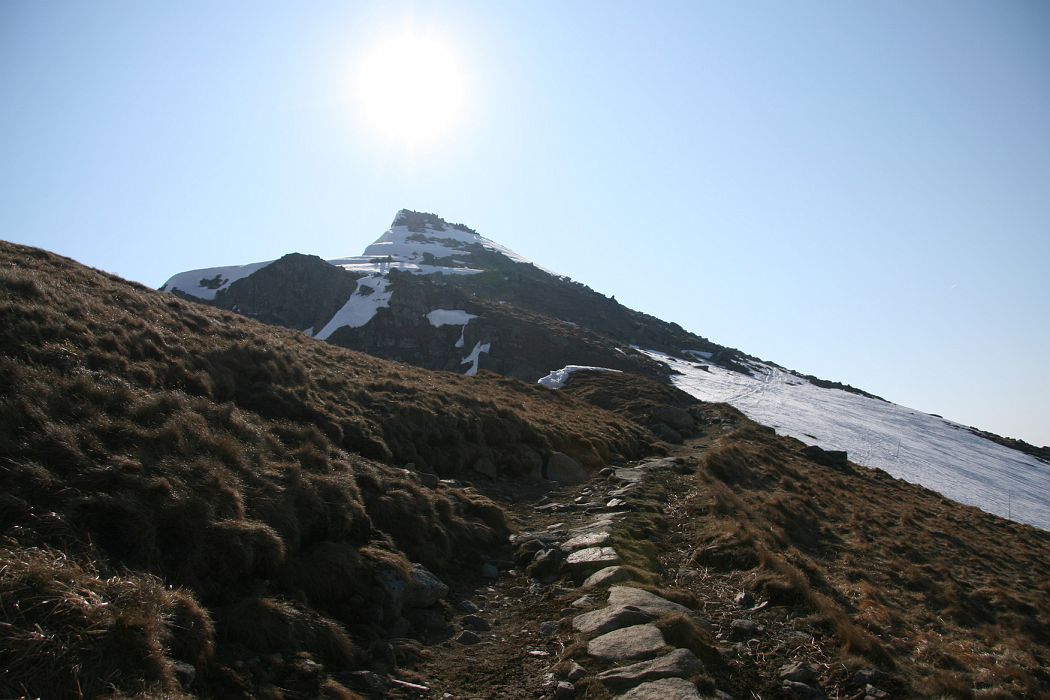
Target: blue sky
pixel 855 190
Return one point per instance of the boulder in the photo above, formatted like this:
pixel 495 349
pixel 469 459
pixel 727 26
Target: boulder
pixel 798 671
pixel 679 663
pixel 564 690
pixel 744 629
pixel 592 558
pixel 596 538
pixel 423 588
pixel 546 562
pixel 563 468
pixel 837 459
pixel 629 474
pixel 467 637
pixel 803 691
pixel 664 689
pixel 644 600
pixel 628 644
pixel 607 576
pixel 609 619
pixel 476 623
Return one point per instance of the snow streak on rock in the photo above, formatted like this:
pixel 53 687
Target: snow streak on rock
pixel 474 357
pixel 558 378
pixel 370 296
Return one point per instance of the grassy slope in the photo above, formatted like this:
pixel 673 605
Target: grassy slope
pixel 952 600
pixel 180 484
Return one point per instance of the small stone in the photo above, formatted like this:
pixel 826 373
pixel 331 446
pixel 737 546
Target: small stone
pixel 615 503
pixel 609 619
pixel 608 471
pixel 744 599
pixel 563 690
pixel 744 629
pixel 539 653
pixel 546 562
pixel 467 606
pixel 628 644
pixel 549 628
pixel 184 673
pixel 575 672
pixel 663 689
pixel 799 671
pixel 476 623
pixel 873 693
pixel 803 691
pixel 556 526
pixel 364 680
pixel 584 601
pixel 868 676
pixel 467 637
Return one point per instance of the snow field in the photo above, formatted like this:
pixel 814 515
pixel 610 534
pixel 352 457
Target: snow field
pixel 910 445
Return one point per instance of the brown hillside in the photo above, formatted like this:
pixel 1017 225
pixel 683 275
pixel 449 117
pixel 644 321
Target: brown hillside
pixel 183 486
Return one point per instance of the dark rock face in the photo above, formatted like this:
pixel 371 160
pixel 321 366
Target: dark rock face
pixel 837 459
pixel 297 291
pixel 522 344
pixel 533 322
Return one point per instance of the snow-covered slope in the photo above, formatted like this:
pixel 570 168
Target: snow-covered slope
pixel 910 445
pixel 417 243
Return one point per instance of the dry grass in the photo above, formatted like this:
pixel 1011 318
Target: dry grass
pixel 952 600
pixel 150 443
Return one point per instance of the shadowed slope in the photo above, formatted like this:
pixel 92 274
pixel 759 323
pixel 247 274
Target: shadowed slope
pixel 148 442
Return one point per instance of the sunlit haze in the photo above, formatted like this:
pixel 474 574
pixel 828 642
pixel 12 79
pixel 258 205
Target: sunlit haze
pixel 856 190
pixel 410 87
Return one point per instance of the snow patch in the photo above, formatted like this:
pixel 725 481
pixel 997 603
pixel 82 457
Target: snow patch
pixel 360 308
pixel 558 378
pixel 449 317
pixel 207 282
pixel 474 357
pixel 911 445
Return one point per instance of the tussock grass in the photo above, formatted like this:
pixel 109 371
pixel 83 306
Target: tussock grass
pixel 182 484
pixel 953 601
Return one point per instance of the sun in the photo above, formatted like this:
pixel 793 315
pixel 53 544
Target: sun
pixel 411 88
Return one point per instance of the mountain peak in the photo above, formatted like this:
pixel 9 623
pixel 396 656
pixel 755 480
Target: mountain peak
pixel 420 222
pixel 416 242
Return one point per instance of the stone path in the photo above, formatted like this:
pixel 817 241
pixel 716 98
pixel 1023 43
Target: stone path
pixel 619 632
pixel 613 635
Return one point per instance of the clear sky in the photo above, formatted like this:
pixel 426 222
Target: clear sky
pixel 857 190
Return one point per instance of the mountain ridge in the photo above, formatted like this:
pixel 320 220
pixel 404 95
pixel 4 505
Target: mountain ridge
pixel 526 322
pixel 197 504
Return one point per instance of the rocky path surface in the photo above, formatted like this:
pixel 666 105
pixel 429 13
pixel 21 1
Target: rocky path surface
pixel 600 598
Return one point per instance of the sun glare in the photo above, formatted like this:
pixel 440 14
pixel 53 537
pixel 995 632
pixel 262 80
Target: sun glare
pixel 411 88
